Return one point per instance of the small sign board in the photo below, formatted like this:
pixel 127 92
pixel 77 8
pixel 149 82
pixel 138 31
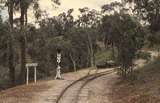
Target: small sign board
pixel 32 64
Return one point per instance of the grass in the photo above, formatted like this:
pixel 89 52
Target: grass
pixel 144 89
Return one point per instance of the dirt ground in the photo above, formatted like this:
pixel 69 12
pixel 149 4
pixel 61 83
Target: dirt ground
pixel 48 91
pixel 144 88
pixel 100 89
pixel 106 89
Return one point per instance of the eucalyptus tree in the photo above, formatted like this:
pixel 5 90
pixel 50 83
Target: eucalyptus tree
pixel 89 19
pixel 113 7
pixel 64 22
pixel 24 6
pixel 21 6
pixel 67 20
pixel 11 42
pixel 78 46
pixel 4 43
pixel 126 34
pixel 10 6
pixel 148 11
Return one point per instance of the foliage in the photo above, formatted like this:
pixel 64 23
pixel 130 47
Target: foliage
pixel 148 10
pixel 79 42
pixel 125 33
pixel 77 38
pixel 88 18
pixel 3 43
pixel 143 55
pixel 102 56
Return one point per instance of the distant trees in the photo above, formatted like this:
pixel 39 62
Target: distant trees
pixel 76 37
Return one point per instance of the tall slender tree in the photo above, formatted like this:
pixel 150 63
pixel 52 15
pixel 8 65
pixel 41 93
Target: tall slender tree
pixel 24 5
pixel 89 19
pixel 10 6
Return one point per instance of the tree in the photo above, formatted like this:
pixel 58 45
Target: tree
pixel 113 7
pixel 148 11
pixel 4 43
pixel 67 20
pixel 126 34
pixel 89 19
pixel 10 5
pixel 11 43
pixel 23 6
pixel 79 52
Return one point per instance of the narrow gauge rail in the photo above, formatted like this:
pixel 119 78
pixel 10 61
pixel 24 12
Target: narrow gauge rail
pixel 81 83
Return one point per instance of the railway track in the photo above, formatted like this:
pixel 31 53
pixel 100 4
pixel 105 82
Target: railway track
pixel 71 93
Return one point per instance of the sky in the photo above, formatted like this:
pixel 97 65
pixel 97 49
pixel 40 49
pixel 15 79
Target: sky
pixel 75 4
pixel 65 5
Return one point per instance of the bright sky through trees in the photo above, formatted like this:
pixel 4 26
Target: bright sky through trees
pixel 47 6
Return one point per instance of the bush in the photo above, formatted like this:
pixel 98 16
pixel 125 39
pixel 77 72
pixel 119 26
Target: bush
pixel 143 55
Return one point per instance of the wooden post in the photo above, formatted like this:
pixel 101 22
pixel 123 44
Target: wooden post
pixel 27 75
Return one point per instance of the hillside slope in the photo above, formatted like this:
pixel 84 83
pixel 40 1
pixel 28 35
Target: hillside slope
pixel 144 89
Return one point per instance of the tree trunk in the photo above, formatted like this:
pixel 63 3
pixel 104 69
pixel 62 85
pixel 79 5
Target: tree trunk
pixel 26 17
pixel 91 51
pixel 74 63
pixel 23 62
pixel 158 51
pixel 22 42
pixel 11 63
pixel 10 45
pixel 113 53
pixel 88 57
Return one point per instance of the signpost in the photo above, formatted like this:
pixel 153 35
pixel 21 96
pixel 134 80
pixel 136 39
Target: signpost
pixel 28 66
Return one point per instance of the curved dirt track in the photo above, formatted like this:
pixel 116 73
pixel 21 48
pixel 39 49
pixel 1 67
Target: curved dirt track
pixel 49 91
pixel 72 93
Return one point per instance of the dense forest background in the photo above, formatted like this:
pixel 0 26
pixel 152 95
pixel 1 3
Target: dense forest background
pixel 118 32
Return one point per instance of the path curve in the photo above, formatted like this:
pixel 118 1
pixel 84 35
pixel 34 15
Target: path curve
pixel 71 93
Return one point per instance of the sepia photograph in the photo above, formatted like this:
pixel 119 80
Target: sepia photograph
pixel 79 51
